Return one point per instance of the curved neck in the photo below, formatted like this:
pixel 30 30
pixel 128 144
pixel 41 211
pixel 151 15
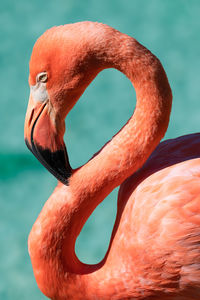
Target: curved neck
pixel 127 151
pixel 69 207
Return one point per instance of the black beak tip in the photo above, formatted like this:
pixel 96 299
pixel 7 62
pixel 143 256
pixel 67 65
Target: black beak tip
pixel 55 162
pixel 27 144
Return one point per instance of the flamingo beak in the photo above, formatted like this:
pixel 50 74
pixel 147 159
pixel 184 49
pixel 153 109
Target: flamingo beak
pixel 44 141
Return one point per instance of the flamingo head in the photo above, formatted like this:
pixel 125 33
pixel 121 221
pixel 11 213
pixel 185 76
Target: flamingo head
pixel 60 70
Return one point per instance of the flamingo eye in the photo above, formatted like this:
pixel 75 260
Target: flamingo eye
pixel 42 77
pixel 39 91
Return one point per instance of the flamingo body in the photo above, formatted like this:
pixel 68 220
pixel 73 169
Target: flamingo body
pixel 164 237
pixel 154 252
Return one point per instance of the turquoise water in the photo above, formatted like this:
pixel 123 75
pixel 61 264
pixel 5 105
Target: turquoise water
pixel 170 29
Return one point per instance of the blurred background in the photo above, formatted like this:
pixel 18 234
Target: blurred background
pixel 170 29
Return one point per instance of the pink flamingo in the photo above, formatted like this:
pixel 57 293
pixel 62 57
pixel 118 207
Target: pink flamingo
pixel 154 251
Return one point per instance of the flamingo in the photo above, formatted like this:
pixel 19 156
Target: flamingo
pixel 154 251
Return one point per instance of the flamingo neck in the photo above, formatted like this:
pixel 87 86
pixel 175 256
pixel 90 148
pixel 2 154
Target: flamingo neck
pixel 67 210
pixel 127 151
